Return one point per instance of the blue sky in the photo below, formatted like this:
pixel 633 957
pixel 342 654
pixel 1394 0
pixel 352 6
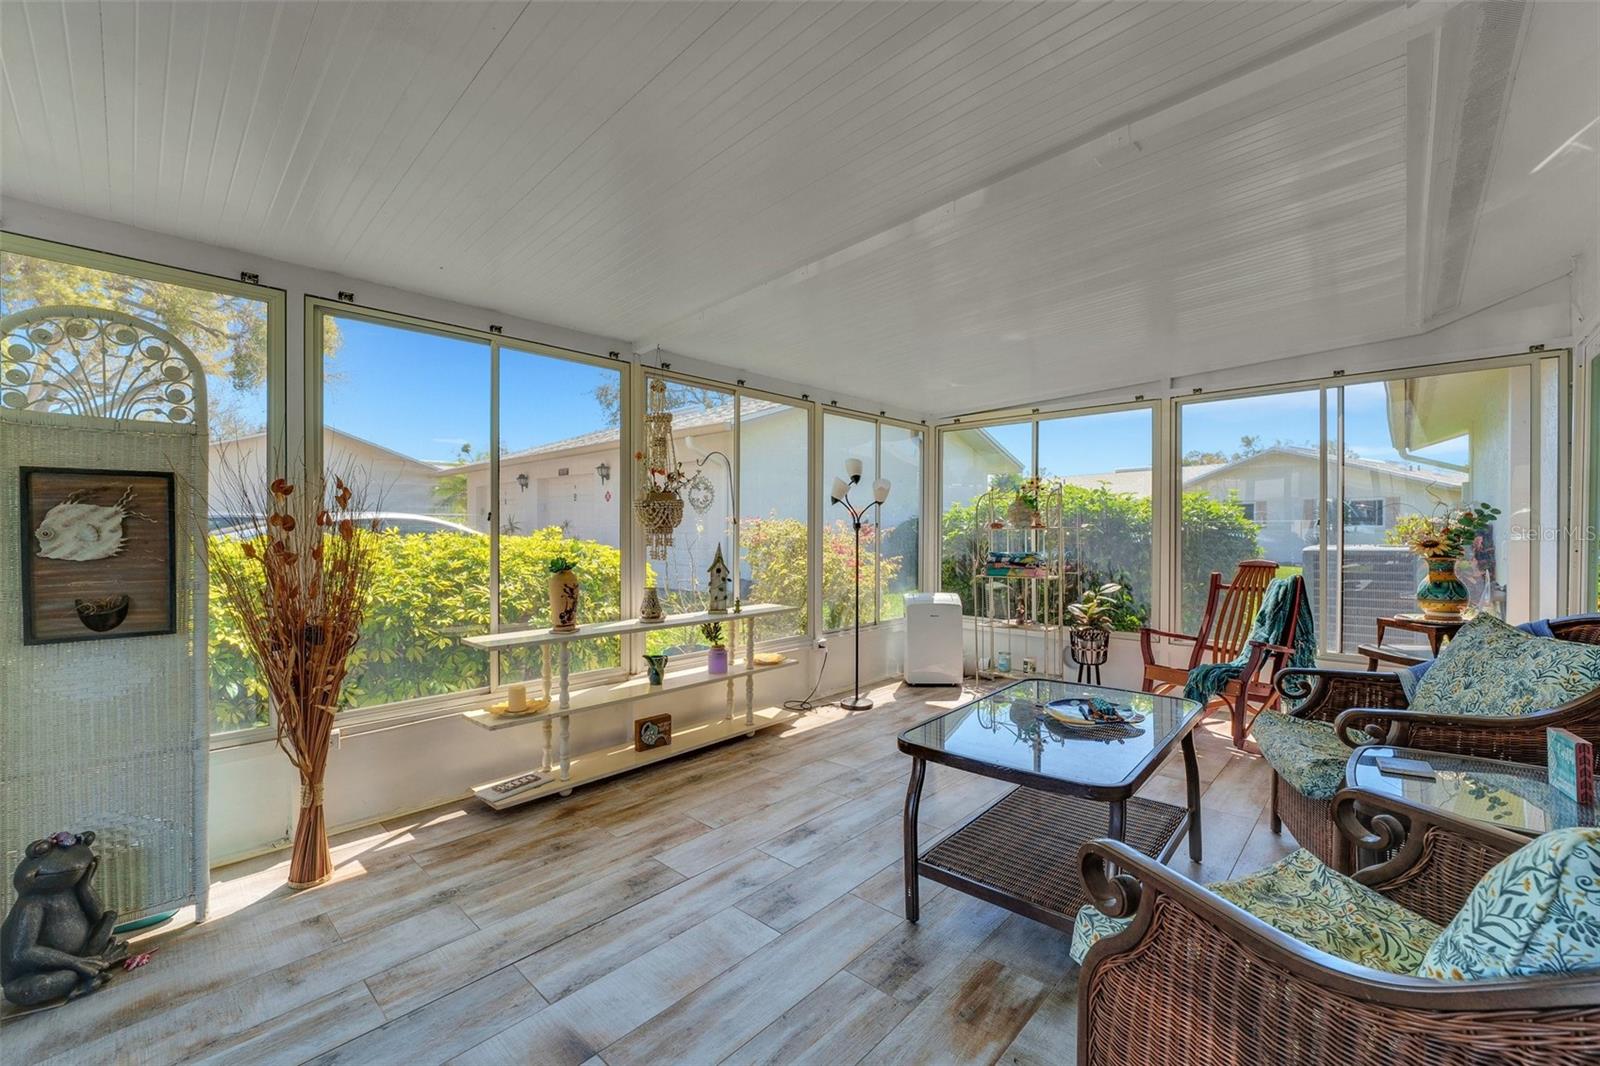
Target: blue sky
pixel 1099 443
pixel 425 395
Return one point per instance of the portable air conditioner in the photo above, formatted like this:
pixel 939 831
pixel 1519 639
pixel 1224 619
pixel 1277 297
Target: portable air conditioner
pixel 933 638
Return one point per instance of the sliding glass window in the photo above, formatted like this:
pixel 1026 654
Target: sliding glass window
pixel 1329 482
pixel 1102 463
pixel 232 330
pixel 774 519
pixel 406 419
pixel 558 495
pixel 890 558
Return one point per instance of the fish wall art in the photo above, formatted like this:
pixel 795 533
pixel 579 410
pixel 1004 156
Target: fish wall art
pixel 103 558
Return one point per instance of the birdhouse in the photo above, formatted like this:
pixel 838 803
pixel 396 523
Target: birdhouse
pixel 717 575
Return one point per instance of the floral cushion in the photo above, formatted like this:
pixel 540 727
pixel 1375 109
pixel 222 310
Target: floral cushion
pixel 1314 904
pixel 1308 755
pixel 1492 669
pixel 1536 912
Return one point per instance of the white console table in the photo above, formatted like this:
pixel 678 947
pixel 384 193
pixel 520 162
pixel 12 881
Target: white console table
pixel 566 770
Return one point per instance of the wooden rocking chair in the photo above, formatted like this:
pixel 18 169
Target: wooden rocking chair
pixel 1231 609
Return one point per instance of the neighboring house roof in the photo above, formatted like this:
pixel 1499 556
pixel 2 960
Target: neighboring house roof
pixel 687 419
pixel 431 468
pixel 1454 478
pixel 1137 479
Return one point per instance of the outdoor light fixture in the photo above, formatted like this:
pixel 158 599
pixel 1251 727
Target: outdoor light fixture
pixel 840 493
pixel 522 482
pixel 604 470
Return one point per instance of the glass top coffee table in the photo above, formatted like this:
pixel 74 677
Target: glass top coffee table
pixel 1514 796
pixel 1076 781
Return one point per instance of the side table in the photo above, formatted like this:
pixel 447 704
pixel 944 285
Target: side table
pixel 1435 632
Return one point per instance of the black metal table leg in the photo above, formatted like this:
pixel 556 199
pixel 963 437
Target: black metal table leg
pixel 1118 829
pixel 1191 773
pixel 919 769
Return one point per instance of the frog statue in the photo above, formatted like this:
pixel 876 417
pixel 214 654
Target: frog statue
pixel 57 939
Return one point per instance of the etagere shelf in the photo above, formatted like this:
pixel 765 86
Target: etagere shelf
pixel 1012 602
pixel 560 774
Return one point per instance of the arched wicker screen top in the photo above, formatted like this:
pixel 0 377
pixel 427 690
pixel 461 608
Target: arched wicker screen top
pixel 65 359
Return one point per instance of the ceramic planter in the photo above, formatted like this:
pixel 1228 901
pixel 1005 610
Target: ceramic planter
pixel 717 660
pixel 564 601
pixel 1022 514
pixel 650 607
pixel 1442 595
pixel 1090 646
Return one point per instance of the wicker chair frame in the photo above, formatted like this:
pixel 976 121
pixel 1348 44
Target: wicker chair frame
pixel 1372 708
pixel 1195 980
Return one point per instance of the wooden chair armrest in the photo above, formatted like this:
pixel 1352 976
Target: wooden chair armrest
pixel 1322 694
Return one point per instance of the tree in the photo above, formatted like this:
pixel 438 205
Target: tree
pixel 450 490
pixel 226 333
pixel 680 397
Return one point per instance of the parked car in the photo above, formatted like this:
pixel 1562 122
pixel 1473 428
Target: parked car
pixel 405 524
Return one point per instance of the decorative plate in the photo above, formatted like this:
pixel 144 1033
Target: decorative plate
pixel 1078 711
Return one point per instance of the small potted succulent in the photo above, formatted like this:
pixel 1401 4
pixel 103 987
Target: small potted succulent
pixel 1093 618
pixel 563 595
pixel 717 656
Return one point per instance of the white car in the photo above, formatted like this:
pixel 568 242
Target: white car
pixel 405 524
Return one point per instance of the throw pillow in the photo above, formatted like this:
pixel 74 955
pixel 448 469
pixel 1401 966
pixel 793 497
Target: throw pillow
pixel 1536 912
pixel 1492 669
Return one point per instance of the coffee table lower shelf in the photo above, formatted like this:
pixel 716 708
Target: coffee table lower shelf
pixel 1021 852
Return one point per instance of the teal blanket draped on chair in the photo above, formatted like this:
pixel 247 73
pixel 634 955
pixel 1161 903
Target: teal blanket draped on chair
pixel 1277 604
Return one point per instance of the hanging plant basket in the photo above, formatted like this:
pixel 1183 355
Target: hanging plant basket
pixel 659 511
pixel 1090 647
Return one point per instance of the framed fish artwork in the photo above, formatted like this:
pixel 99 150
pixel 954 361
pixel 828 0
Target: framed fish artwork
pixel 98 554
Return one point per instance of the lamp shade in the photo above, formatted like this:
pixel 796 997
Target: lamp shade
pixel 840 487
pixel 852 469
pixel 880 489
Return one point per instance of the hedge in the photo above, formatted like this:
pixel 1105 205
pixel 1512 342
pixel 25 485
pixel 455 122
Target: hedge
pixel 430 590
pixel 1112 533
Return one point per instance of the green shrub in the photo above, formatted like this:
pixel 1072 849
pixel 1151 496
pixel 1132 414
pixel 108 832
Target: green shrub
pixel 429 591
pixel 1109 536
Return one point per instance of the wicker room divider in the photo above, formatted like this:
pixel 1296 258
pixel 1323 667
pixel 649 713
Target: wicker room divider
pixel 108 735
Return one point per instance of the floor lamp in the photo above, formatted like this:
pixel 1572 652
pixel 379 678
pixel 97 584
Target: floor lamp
pixel 841 494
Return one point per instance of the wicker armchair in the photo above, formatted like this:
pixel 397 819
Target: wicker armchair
pixel 1195 980
pixel 1372 708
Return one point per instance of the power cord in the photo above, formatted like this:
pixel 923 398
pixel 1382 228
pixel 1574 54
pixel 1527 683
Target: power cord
pixel 806 704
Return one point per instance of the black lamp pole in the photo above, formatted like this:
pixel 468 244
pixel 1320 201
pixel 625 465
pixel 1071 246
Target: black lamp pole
pixel 858 702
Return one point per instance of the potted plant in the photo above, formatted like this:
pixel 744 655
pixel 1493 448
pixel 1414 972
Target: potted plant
pixel 1093 618
pixel 563 595
pixel 717 656
pixel 1024 509
pixel 1442 540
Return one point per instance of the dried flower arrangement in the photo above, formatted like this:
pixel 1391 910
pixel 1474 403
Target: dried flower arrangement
pixel 1443 536
pixel 299 586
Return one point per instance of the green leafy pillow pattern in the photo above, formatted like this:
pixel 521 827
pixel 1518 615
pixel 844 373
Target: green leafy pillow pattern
pixel 1492 669
pixel 1536 912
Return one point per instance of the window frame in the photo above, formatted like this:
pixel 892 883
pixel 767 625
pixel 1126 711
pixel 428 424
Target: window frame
pixel 1161 500
pixel 276 382
pixel 426 708
pixel 824 478
pixel 1570 585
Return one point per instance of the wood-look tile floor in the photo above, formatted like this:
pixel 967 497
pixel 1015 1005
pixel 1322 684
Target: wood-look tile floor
pixel 739 905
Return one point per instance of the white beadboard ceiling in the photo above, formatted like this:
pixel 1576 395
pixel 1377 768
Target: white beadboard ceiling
pixel 928 200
